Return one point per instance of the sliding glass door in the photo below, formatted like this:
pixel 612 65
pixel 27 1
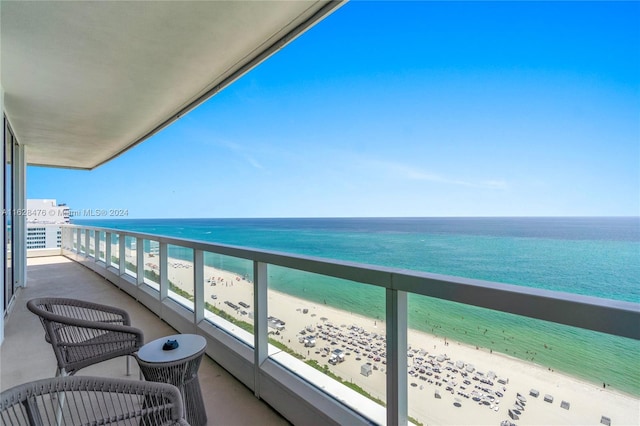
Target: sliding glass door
pixel 7 153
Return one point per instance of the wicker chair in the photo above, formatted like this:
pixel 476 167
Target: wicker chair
pixel 84 333
pixel 91 401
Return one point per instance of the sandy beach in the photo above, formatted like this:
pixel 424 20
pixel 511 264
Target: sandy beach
pixel 473 386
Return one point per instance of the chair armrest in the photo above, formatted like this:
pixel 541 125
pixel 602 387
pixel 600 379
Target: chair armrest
pixel 97 325
pixel 122 315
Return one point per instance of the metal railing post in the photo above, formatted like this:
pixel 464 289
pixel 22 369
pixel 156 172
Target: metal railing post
pixel 87 243
pixel 107 249
pixel 198 286
pixel 139 261
pixel 396 314
pixel 164 279
pixel 122 261
pixel 260 327
pixel 96 249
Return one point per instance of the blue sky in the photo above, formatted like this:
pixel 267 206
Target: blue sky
pixel 403 109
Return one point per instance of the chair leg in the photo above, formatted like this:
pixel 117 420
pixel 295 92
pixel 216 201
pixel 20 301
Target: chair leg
pixel 61 399
pixel 61 372
pixel 59 408
pixel 128 365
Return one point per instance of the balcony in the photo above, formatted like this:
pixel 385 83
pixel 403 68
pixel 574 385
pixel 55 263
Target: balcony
pixel 345 367
pixel 26 356
pixel 277 346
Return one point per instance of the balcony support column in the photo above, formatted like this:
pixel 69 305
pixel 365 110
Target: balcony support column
pixel 260 327
pixel 397 406
pixel 198 287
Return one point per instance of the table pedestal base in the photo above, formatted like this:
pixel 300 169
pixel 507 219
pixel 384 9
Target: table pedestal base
pixel 184 375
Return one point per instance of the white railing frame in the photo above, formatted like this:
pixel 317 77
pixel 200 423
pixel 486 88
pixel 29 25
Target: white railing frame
pixel 603 315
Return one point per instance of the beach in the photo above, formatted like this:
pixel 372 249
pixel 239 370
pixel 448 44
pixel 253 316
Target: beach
pixel 472 385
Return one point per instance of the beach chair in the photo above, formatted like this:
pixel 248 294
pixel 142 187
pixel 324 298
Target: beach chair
pixel 83 333
pixel 91 401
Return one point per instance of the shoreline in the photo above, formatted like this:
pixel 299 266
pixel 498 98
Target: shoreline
pixel 425 356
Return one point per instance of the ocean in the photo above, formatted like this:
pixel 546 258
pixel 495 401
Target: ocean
pixel 590 256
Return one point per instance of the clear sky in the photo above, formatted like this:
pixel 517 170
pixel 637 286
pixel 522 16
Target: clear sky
pixel 403 109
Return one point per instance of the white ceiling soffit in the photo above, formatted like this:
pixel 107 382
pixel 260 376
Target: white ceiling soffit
pixel 85 81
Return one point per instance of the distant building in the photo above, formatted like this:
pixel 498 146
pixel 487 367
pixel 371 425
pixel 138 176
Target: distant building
pixel 154 248
pixel 46 211
pixel 44 217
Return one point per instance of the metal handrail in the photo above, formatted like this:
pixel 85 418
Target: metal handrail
pixel 609 316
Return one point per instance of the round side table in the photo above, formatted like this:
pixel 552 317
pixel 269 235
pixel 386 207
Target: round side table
pixel 179 367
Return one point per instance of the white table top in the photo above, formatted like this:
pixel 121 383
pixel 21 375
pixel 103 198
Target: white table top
pixel 189 344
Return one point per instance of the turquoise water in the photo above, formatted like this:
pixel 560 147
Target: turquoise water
pixel 591 256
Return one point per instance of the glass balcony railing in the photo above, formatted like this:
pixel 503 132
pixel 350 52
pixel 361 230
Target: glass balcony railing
pixel 391 346
pixel 229 294
pixel 151 264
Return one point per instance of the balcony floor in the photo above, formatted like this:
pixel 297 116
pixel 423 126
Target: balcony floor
pixel 25 355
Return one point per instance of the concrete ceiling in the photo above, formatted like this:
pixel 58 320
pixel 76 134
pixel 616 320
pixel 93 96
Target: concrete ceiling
pixel 85 81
